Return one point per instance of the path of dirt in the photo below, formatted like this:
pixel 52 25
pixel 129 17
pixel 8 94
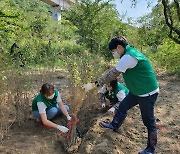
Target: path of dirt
pixel 31 137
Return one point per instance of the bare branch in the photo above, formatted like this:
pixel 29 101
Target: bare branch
pixel 169 22
pixel 177 8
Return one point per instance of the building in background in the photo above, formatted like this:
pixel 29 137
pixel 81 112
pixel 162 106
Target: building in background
pixel 57 6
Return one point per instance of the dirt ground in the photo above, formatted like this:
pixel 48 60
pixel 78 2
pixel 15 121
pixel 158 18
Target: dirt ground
pixel 32 138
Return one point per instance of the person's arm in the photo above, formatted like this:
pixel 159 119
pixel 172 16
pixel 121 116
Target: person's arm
pixel 61 106
pixel 109 76
pixel 42 111
pixel 101 95
pixel 102 99
pixel 120 96
pixel 63 109
pixel 53 125
pixel 126 62
pixel 47 122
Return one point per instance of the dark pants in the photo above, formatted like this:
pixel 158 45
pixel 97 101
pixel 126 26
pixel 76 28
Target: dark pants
pixel 146 105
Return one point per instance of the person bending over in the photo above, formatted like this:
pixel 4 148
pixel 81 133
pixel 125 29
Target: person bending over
pixel 114 92
pixel 141 81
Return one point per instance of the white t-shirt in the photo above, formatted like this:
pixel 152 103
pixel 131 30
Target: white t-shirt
pixel 121 95
pixel 126 62
pixel 42 107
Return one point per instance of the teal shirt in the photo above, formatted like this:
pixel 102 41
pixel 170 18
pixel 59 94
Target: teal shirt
pixel 141 79
pixel 48 102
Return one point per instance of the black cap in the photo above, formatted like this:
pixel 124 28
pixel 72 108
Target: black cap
pixel 118 40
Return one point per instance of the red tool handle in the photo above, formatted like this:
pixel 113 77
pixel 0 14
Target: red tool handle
pixel 70 124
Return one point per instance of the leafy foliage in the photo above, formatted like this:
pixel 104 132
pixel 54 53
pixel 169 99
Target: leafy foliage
pixel 168 56
pixel 96 22
pixel 85 28
pixel 153 29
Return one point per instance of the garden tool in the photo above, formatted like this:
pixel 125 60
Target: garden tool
pixel 70 127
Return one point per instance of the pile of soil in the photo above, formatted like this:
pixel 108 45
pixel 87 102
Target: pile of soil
pixel 32 137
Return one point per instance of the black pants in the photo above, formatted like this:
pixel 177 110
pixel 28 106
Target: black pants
pixel 146 105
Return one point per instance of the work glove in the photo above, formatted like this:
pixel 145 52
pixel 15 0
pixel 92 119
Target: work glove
pixel 62 128
pixel 103 105
pixel 111 110
pixel 103 89
pixel 69 117
pixel 88 86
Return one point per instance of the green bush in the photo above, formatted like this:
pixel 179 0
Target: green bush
pixel 168 57
pixel 85 68
pixel 68 47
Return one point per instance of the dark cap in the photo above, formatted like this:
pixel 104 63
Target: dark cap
pixel 117 40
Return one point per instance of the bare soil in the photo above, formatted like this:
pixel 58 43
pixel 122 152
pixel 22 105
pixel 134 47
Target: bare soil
pixel 32 138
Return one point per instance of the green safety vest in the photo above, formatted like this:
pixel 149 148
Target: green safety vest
pixel 141 79
pixel 48 102
pixel 112 94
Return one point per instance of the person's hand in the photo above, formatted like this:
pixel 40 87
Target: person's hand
pixel 88 86
pixel 62 128
pixel 111 110
pixel 103 105
pixel 103 89
pixel 69 117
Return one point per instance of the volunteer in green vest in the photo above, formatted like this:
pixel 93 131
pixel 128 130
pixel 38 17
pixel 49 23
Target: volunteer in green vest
pixel 47 104
pixel 143 88
pixel 115 92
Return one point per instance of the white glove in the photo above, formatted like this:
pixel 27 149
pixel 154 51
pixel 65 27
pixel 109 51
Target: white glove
pixel 111 110
pixel 103 105
pixel 103 89
pixel 69 118
pixel 88 86
pixel 62 129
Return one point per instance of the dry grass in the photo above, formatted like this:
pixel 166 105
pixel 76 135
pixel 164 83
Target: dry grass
pixel 18 87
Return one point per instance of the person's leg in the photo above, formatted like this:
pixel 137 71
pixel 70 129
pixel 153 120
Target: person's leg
pixel 128 102
pixel 59 110
pixel 146 105
pixel 51 113
pixel 147 112
pixel 36 114
pixel 102 97
pixel 67 107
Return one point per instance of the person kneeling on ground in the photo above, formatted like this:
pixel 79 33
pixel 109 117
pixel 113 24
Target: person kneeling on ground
pixel 115 92
pixel 47 104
